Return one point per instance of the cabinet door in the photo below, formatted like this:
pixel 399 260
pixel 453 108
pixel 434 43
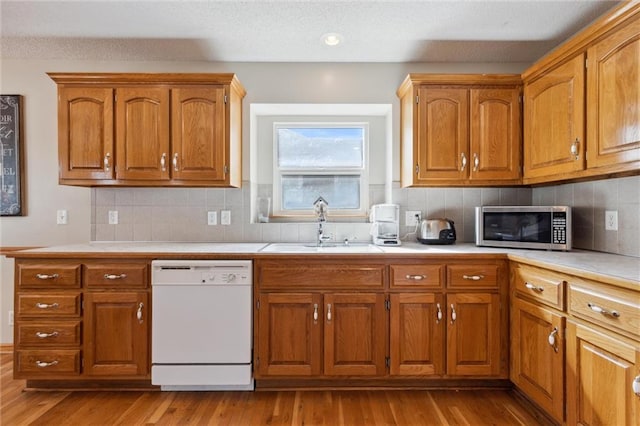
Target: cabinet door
pixel 198 134
pixel 116 334
pixel 442 143
pixel 416 342
pixel 495 134
pixel 473 334
pixel 613 103
pixel 85 133
pixel 289 334
pixel 600 372
pixel 554 121
pixel 355 334
pixel 537 356
pixel 142 133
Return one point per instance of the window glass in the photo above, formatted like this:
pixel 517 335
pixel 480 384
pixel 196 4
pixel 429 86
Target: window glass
pixel 307 147
pixel 300 191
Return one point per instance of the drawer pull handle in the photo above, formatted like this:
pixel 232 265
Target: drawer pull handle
pixel 175 162
pixel 438 314
pixel 416 277
pixel 454 316
pixel 47 276
pixel 43 364
pixel 534 287
pixel 329 312
pixel 47 305
pixel 315 313
pixel 473 277
pixel 42 335
pixel 636 385
pixel 114 276
pixel 603 311
pixel 552 339
pixel 163 162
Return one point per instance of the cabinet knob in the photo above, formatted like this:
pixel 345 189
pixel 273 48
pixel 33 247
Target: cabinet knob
pixel 636 385
pixel 463 161
pixel 163 162
pixel 315 313
pixel 438 314
pixel 329 312
pixel 454 316
pixel 139 312
pixel 476 162
pixel 575 149
pixel 175 162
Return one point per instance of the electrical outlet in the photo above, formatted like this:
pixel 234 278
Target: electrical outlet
pixel 225 217
pixel 10 317
pixel 113 217
pixel 412 217
pixel 212 218
pixel 61 217
pixel 611 220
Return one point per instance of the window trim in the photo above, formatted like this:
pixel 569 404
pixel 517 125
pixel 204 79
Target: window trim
pixel 363 171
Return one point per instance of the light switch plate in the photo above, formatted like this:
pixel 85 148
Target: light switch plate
pixel 61 217
pixel 113 217
pixel 225 217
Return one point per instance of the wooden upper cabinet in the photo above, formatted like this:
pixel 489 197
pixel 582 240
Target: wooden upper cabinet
pixel 495 134
pixel 554 121
pixel 443 141
pixel 198 133
pixel 142 123
pixel 613 98
pixel 460 130
pixel 150 129
pixel 85 133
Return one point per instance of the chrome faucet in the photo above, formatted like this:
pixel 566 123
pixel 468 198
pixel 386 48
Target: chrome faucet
pixel 320 208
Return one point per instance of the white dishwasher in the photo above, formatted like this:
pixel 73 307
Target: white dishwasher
pixel 201 324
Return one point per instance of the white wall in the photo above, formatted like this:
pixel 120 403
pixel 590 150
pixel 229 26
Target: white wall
pixel 265 83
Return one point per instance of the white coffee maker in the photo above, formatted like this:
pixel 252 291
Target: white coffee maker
pixel 385 224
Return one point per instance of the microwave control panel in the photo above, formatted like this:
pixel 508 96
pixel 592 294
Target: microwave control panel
pixel 559 227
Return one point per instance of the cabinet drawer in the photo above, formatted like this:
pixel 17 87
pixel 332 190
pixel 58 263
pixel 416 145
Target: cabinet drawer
pixel 472 276
pixel 48 333
pixel 40 363
pixel 417 276
pixel 540 285
pixel 48 275
pixel 320 274
pixel 612 308
pixel 49 305
pixel 125 275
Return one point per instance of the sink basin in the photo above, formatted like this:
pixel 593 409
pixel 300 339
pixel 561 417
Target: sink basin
pixel 325 248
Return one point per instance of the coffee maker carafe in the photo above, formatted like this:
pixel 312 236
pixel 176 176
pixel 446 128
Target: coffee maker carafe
pixel 385 224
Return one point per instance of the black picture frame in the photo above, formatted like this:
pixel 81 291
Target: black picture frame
pixel 11 150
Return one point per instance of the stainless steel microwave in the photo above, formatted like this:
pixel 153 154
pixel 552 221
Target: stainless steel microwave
pixel 532 227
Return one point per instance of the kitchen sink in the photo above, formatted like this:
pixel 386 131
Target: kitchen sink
pixel 325 248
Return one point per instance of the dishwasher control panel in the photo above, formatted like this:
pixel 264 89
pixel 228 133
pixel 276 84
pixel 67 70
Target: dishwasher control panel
pixel 201 272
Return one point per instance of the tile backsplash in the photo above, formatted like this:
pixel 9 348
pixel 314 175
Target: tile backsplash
pixel 180 214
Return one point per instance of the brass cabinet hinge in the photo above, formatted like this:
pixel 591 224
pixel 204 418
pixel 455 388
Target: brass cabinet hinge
pixel 417 99
pixel 387 304
pixel 225 169
pixel 417 168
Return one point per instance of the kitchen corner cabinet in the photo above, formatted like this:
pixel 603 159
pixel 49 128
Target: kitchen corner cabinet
pixel 82 320
pixel 582 103
pixel 460 130
pixel 149 129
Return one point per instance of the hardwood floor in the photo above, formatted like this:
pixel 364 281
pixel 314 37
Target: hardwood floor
pixel 358 407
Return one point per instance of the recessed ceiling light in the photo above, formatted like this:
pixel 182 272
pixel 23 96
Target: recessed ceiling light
pixel 331 39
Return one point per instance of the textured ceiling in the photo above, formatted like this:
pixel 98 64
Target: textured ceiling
pixel 291 30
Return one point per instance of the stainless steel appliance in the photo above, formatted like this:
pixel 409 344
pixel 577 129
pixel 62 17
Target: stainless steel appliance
pixel 535 227
pixel 201 324
pixel 385 224
pixel 437 231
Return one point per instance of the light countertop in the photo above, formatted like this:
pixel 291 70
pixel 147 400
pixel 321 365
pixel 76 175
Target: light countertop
pixel 607 267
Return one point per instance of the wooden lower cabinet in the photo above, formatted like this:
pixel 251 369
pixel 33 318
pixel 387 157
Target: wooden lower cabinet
pixel 601 368
pixel 116 334
pixel 473 334
pixel 537 355
pixel 416 343
pixel 314 334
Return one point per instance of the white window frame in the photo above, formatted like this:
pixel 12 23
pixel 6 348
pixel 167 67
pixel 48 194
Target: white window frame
pixel 363 171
